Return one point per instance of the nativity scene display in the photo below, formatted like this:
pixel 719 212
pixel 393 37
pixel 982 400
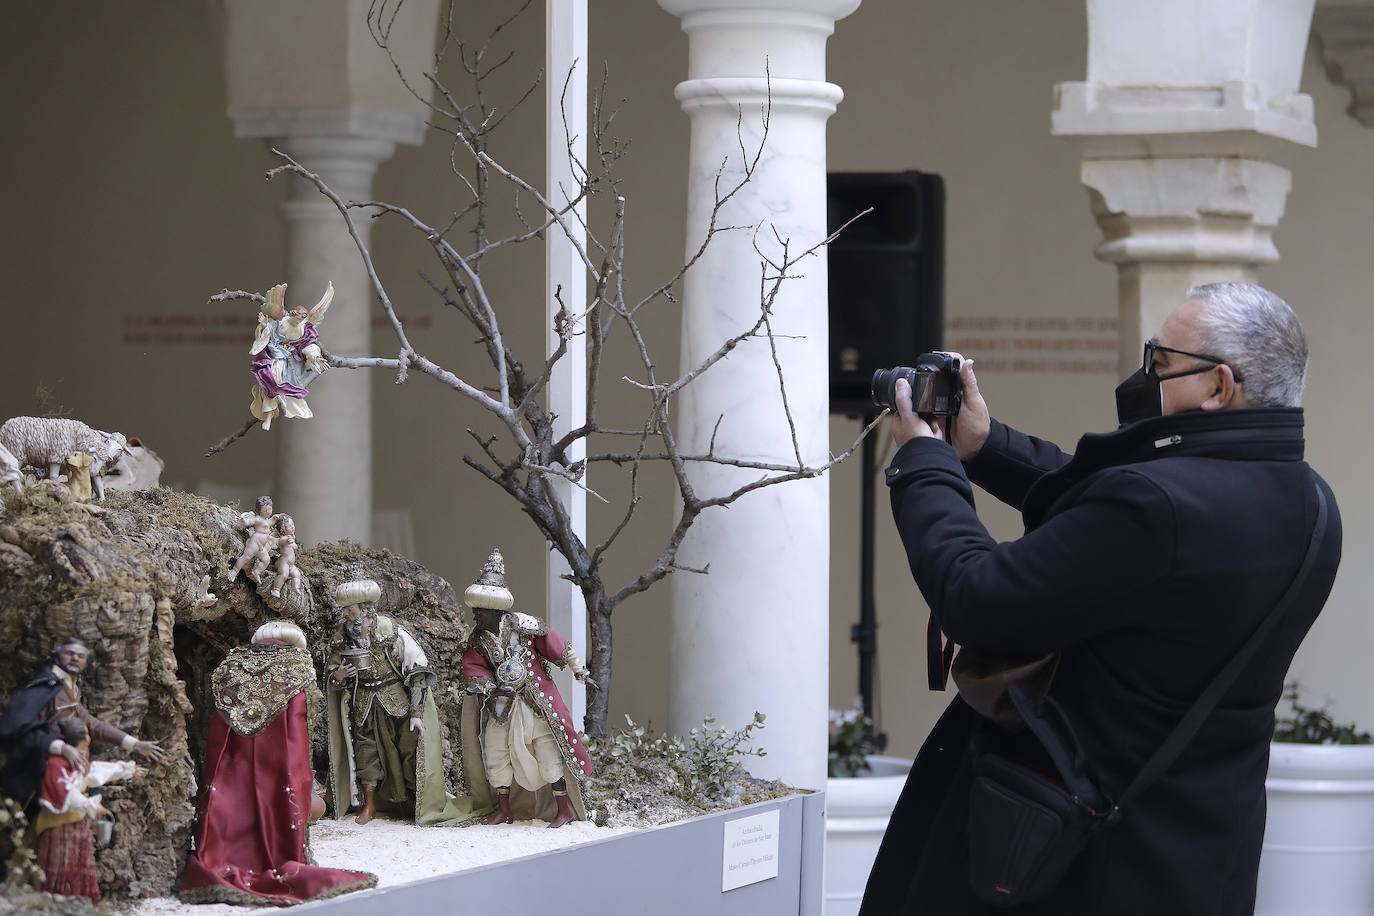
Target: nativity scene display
pixel 383 697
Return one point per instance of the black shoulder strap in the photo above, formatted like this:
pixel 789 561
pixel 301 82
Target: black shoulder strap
pixel 1065 752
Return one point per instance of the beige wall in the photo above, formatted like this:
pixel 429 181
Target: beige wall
pixel 128 197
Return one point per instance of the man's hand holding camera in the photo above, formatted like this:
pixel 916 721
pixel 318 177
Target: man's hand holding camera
pixel 968 434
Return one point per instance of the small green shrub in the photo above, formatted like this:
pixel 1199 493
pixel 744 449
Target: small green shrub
pixel 705 763
pixel 1312 726
pixel 851 741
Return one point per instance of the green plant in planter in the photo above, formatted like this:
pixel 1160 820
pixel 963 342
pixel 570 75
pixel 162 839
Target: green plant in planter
pixel 851 741
pixel 704 765
pixel 1312 726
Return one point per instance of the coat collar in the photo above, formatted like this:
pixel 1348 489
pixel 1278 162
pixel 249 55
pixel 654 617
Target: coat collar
pixel 1254 434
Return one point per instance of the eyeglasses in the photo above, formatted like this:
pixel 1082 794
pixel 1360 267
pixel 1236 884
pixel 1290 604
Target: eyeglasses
pixel 1148 363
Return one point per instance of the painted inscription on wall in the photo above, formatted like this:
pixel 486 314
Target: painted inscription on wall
pixel 1034 343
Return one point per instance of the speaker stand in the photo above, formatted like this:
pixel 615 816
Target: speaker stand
pixel 865 632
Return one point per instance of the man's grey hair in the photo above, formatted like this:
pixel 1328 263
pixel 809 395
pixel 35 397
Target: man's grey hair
pixel 1258 336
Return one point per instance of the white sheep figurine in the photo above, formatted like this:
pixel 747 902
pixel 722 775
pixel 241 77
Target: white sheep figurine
pixel 10 470
pixel 45 442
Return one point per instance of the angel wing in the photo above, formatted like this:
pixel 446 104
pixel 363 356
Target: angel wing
pixel 275 306
pixel 317 312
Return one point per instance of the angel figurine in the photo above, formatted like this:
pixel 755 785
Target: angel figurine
pixel 286 356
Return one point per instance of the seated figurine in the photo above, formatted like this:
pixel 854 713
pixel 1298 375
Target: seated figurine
pixel 65 814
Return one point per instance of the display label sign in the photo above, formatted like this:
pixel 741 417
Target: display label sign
pixel 751 850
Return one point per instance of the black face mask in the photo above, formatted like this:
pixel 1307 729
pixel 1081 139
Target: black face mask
pixel 1138 398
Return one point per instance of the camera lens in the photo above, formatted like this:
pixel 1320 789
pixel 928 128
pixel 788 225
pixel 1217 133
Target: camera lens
pixel 884 389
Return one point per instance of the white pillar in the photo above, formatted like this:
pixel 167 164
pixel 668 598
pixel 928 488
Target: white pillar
pixel 1187 121
pixel 565 52
pixel 753 633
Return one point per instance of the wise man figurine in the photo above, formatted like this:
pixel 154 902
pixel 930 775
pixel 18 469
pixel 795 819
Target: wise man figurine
pixel 531 756
pixel 385 747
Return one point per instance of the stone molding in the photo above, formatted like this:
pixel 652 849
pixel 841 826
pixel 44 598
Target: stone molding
pixel 1345 35
pixel 1229 120
pixel 343 121
pixel 779 94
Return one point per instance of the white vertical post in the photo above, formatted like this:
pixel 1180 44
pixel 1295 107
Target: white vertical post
pixel 565 105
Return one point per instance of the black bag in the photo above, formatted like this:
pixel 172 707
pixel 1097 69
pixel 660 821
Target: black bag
pixel 1026 830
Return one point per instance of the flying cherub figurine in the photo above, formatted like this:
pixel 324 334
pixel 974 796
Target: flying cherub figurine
pixel 286 356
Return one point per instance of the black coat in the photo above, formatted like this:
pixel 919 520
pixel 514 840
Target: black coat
pixel 1148 559
pixel 25 736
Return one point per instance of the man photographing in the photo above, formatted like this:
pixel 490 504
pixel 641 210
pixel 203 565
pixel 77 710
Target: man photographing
pixel 1151 556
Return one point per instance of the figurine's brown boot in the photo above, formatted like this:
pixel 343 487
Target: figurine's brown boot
pixel 502 813
pixel 565 812
pixel 369 807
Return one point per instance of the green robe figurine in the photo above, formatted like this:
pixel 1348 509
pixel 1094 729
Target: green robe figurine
pixel 384 745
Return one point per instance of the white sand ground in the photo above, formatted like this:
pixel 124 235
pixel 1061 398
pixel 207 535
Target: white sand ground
pixel 399 853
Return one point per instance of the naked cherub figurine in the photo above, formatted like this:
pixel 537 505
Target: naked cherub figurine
pixel 286 555
pixel 257 547
pixel 286 356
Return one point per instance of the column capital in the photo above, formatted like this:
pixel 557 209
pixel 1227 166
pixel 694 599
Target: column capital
pixel 1345 33
pixel 1219 210
pixel 731 39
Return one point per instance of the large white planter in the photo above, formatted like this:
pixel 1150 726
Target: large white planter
pixel 856 814
pixel 1319 840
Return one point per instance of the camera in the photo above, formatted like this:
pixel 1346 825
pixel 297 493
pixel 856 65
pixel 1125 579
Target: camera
pixel 936 389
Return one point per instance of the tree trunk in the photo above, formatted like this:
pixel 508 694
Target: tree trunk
pixel 599 663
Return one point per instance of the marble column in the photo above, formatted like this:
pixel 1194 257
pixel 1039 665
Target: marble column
pixel 1188 123
pixel 752 634
pixel 316 86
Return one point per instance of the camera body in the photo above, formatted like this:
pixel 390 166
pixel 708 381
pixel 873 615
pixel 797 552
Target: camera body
pixel 936 389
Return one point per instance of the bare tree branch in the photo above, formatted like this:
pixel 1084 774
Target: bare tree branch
pixel 526 460
pixel 232 437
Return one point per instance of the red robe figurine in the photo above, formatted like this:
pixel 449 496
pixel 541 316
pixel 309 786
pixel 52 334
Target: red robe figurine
pixel 250 833
pixel 65 813
pixel 519 741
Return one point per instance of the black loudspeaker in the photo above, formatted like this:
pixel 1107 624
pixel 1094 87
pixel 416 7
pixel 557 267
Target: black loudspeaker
pixel 887 278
